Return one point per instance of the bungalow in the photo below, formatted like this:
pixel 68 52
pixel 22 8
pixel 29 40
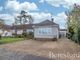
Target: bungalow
pixel 5 30
pixel 46 30
pixel 19 28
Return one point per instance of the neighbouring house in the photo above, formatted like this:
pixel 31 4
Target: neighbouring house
pixel 19 28
pixel 6 30
pixel 46 30
pixel 63 32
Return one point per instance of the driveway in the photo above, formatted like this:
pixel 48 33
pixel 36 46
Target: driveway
pixel 63 49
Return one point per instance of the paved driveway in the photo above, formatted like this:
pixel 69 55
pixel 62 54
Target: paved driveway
pixel 63 49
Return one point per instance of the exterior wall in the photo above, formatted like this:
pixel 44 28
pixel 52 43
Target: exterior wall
pixel 29 30
pixel 1 31
pixel 55 32
pixel 46 32
pixel 13 31
pixel 19 31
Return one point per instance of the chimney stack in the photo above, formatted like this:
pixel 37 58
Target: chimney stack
pixel 52 19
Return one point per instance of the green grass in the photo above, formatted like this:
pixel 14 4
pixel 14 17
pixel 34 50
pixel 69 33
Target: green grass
pixel 10 40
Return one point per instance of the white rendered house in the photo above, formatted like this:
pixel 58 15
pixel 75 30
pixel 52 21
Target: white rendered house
pixel 46 30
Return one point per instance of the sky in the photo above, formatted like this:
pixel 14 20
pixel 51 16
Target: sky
pixel 40 10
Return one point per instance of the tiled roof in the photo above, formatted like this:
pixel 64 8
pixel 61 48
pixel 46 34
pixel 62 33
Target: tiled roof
pixel 27 26
pixel 6 27
pixel 46 22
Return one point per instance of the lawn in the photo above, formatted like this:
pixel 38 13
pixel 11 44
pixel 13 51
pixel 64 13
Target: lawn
pixel 10 40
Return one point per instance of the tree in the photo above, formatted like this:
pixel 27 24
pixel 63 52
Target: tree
pixel 1 26
pixel 22 19
pixel 74 23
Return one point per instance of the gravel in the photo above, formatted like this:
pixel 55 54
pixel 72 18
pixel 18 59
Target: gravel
pixel 40 50
pixel 9 55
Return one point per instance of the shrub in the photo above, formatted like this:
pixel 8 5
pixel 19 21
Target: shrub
pixel 24 35
pixel 68 35
pixel 29 35
pixel 0 37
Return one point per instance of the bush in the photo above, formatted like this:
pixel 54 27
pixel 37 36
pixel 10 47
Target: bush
pixel 29 35
pixel 18 36
pixel 71 32
pixel 0 37
pixel 79 35
pixel 68 35
pixel 24 35
pixel 76 37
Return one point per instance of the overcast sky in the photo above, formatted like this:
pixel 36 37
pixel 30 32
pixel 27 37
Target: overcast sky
pixel 39 9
